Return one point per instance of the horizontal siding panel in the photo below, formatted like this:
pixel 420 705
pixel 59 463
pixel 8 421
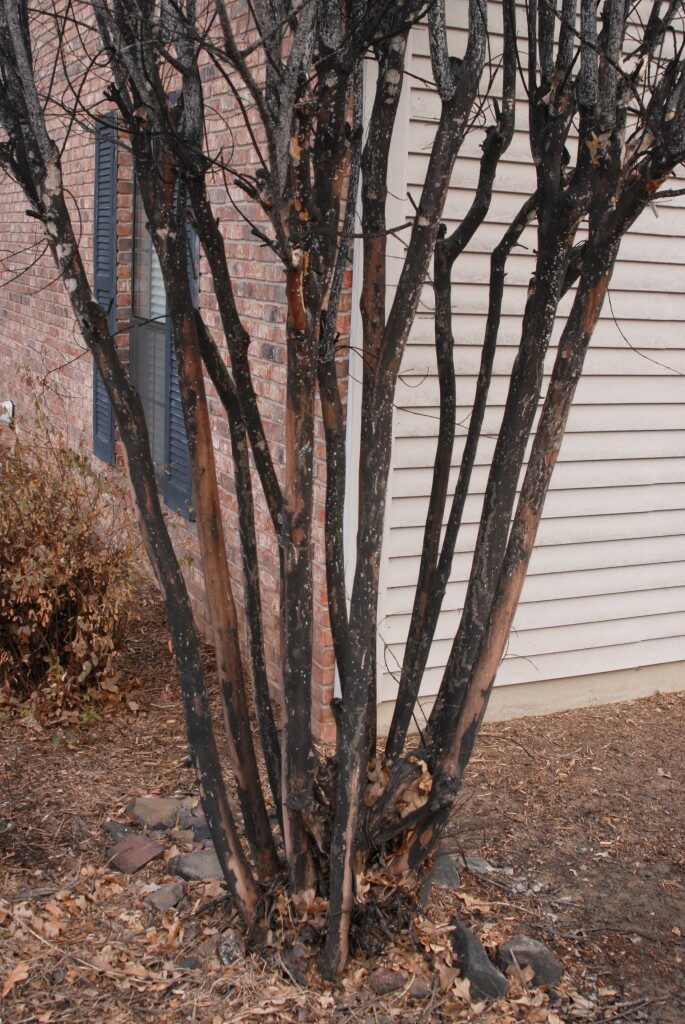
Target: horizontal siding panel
pixel 417 453
pixel 659 278
pixel 574 555
pixel 505 204
pixel 468 326
pixel 618 582
pixel 515 173
pixel 630 305
pixel 568 531
pixel 585 502
pixel 420 361
pixel 456 31
pixel 549 615
pixel 564 639
pixel 568 476
pixel 559 666
pixel 415 422
pixel 636 248
pixel 592 390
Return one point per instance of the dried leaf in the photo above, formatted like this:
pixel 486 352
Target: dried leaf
pixel 447 976
pixel 461 988
pixel 17 974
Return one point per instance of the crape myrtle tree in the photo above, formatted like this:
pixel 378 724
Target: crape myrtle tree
pixel 604 84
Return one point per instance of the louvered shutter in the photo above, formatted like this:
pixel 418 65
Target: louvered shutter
pixel 178 485
pixel 104 258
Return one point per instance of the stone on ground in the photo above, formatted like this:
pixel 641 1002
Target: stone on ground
pixel 473 962
pixel 229 948
pixel 196 866
pixel 117 830
pixel 531 953
pixel 133 852
pixel 154 811
pixel 420 988
pixel 480 866
pixel 166 897
pixel 385 980
pixel 193 817
pixel 444 873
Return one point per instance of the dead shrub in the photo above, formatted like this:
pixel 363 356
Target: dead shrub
pixel 66 547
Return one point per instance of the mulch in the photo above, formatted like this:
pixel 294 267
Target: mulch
pixel 579 816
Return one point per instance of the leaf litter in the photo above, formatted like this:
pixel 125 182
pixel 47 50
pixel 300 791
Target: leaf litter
pixel 78 941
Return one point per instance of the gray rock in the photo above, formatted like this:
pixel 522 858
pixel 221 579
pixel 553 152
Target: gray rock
pixel 229 949
pixel 78 826
pixel 188 816
pixel 444 873
pixel 385 980
pixel 480 866
pixel 166 897
pixel 193 817
pixel 117 830
pixel 154 811
pixel 473 962
pixel 531 953
pixel 196 866
pixel 132 853
pixel 419 989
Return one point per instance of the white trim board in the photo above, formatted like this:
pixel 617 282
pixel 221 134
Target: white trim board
pixel 552 696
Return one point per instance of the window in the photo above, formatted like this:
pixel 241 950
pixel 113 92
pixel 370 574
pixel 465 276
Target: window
pixel 104 272
pixel 153 366
pixel 149 336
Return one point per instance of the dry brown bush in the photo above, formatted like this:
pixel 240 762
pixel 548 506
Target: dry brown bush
pixel 66 548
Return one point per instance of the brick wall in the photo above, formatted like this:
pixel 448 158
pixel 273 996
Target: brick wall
pixel 44 365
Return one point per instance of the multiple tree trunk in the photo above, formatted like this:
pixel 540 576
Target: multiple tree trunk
pixel 588 78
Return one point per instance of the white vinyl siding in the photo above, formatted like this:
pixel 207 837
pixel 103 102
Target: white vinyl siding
pixel 606 589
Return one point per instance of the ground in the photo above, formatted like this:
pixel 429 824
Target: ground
pixel 580 813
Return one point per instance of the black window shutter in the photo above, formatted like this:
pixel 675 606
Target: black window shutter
pixel 178 488
pixel 104 257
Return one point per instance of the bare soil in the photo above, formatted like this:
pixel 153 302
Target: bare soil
pixel 581 813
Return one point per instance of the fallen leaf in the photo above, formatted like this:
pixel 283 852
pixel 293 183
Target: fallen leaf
pixel 461 987
pixel 19 973
pixel 136 970
pixel 213 889
pixel 473 903
pixel 447 976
